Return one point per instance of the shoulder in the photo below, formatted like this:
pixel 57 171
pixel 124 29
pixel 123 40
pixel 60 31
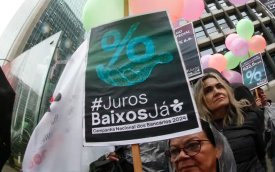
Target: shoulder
pixel 255 114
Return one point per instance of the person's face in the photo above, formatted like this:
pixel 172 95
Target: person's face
pixel 203 161
pixel 215 96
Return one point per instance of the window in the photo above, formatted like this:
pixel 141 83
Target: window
pixel 199 32
pixel 220 48
pixel 210 28
pixel 223 24
pixel 222 3
pixel 233 18
pixel 206 51
pixel 212 6
pixel 245 15
pixel 270 30
pixel 268 70
pixel 259 14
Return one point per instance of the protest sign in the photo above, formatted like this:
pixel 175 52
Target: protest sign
pixel 136 88
pixel 189 50
pixel 253 72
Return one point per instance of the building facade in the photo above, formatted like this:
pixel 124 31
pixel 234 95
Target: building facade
pixel 39 19
pixel 220 19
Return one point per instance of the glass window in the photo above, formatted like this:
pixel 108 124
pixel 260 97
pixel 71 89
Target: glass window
pixel 206 51
pixel 270 30
pixel 233 18
pixel 222 3
pixel 212 6
pixel 220 48
pixel 258 13
pixel 209 25
pixel 272 56
pixel 199 32
pixel 210 28
pixel 268 70
pixel 246 15
pixel 198 28
pixel 223 24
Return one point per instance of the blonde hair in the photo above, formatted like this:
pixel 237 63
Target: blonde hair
pixel 234 113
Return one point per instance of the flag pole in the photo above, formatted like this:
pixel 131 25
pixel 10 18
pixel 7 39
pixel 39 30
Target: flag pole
pixel 135 147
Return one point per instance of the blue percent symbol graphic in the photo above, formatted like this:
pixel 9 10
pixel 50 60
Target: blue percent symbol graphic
pixel 137 67
pixel 253 75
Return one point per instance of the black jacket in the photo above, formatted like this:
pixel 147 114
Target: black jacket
pixel 247 142
pixel 7 96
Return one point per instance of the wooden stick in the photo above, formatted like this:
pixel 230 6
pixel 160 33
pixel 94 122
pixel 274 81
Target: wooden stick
pixel 257 94
pixel 136 158
pixel 135 147
pixel 126 8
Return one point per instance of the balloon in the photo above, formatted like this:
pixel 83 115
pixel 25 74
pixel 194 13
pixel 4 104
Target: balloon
pixel 245 28
pixel 239 47
pixel 217 61
pixel 257 44
pixel 174 7
pixel 97 12
pixel 192 9
pixel 229 40
pixel 238 2
pixel 232 60
pixel 249 54
pixel 232 76
pixel 204 61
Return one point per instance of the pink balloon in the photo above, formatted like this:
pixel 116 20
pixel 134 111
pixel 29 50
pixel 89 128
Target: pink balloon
pixel 239 47
pixel 204 61
pixel 192 9
pixel 257 44
pixel 217 61
pixel 238 2
pixel 232 76
pixel 229 39
pixel 174 7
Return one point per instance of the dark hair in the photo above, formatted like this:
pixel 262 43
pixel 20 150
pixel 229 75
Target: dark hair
pixel 243 92
pixel 207 130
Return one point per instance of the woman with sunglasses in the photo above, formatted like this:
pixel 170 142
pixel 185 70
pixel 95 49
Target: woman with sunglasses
pixel 206 151
pixel 217 105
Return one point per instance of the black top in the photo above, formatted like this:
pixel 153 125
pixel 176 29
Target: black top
pixel 247 142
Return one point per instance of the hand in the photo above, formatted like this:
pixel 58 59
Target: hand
pixel 258 102
pixel 112 156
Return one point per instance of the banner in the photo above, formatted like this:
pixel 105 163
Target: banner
pixel 189 50
pixel 136 87
pixel 56 143
pixel 253 72
pixel 27 74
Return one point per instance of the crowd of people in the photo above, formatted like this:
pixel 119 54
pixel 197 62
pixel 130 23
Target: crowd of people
pixel 237 133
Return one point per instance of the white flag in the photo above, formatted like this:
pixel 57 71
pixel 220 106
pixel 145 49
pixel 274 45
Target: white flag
pixel 56 144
